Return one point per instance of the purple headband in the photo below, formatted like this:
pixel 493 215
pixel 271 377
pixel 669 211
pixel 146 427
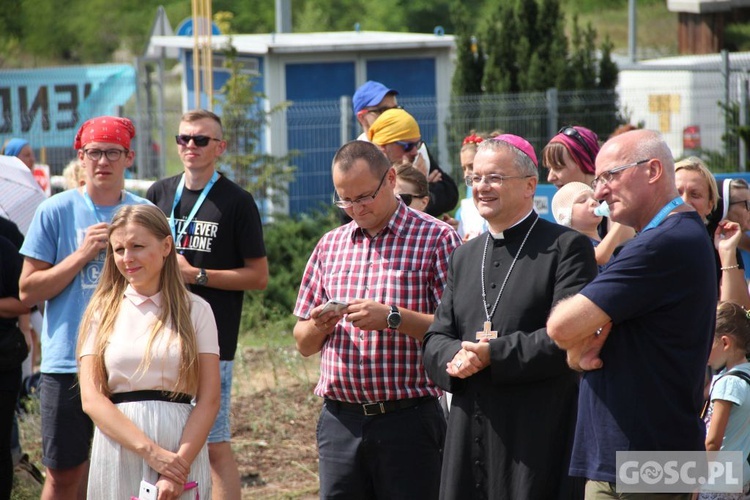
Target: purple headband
pixel 584 156
pixel 520 144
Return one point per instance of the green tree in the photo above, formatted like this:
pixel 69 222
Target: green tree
pixel 583 64
pixel 525 19
pixel 608 72
pixel 290 240
pixel 467 77
pixel 736 136
pixel 549 64
pixel 423 16
pixel 527 50
pixel 501 36
pixel 11 22
pixel 245 120
pixel 11 32
pixel 249 16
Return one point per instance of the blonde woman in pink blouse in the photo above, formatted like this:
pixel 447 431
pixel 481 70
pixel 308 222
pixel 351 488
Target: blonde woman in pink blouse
pixel 149 367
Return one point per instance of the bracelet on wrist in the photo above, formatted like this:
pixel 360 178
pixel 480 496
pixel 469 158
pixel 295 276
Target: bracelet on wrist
pixel 729 268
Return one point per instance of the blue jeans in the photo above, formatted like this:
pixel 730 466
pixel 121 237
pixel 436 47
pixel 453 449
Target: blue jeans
pixel 221 431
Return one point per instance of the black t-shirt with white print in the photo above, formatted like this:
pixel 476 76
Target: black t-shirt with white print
pixel 226 230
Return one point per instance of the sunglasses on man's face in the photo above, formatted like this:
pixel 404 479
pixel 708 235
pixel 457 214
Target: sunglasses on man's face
pixel 199 140
pixel 380 109
pixel 408 146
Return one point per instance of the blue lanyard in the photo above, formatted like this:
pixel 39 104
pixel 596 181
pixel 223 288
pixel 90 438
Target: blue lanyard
pixel 659 217
pixel 90 204
pixel 198 203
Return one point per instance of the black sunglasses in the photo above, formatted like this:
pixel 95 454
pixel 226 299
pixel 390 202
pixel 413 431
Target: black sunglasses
pixel 408 198
pixel 576 135
pixel 199 140
pixel 382 109
pixel 408 146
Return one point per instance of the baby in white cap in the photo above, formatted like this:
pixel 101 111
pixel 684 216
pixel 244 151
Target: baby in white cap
pixel 574 206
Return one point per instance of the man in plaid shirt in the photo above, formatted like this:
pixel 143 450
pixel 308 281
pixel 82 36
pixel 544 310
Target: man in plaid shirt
pixel 381 429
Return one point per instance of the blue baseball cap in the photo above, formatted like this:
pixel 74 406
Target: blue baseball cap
pixel 370 94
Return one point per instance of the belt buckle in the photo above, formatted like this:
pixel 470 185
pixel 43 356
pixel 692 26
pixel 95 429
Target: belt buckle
pixel 372 409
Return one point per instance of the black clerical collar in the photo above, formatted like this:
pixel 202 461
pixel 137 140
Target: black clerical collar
pixel 519 229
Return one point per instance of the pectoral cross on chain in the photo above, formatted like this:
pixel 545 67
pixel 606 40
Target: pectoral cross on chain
pixel 486 333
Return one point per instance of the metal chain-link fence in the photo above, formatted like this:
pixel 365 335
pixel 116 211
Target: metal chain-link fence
pixel 684 103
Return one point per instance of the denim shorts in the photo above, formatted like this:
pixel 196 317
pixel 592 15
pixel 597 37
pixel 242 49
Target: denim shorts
pixel 221 431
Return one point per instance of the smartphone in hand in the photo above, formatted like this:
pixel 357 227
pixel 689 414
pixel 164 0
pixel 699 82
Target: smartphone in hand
pixel 334 305
pixel 148 491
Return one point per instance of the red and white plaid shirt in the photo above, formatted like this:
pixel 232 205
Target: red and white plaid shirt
pixel 405 265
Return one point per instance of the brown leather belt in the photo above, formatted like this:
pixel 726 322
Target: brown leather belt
pixel 372 409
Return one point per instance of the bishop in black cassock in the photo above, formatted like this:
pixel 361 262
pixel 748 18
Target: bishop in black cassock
pixel 511 423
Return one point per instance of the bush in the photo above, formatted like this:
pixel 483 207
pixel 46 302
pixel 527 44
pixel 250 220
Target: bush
pixel 289 243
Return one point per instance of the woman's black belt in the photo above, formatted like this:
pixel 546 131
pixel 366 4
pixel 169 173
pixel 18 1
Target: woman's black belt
pixel 132 396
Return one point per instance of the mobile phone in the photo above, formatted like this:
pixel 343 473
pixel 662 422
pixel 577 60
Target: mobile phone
pixel 148 491
pixel 334 305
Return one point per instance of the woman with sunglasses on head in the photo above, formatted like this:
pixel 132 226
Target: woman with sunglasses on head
pixel 570 156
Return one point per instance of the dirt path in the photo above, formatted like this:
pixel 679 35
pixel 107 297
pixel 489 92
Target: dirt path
pixel 273 424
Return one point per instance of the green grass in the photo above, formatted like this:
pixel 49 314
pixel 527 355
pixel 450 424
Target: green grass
pixel 656 27
pixel 25 490
pixel 270 334
pixel 24 487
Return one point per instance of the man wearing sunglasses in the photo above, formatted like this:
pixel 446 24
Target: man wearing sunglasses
pixel 397 135
pixel 64 254
pixel 641 331
pixel 219 239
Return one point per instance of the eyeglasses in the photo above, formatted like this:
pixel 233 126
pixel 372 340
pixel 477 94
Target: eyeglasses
pixel 408 146
pixel 606 177
pixel 111 154
pixel 576 135
pixel 382 109
pixel 408 197
pixel 746 202
pixel 491 179
pixel 199 140
pixel 362 200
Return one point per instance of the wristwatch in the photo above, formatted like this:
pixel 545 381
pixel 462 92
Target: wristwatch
pixel 202 277
pixel 394 318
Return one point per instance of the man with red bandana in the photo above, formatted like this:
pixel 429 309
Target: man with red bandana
pixel 64 257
